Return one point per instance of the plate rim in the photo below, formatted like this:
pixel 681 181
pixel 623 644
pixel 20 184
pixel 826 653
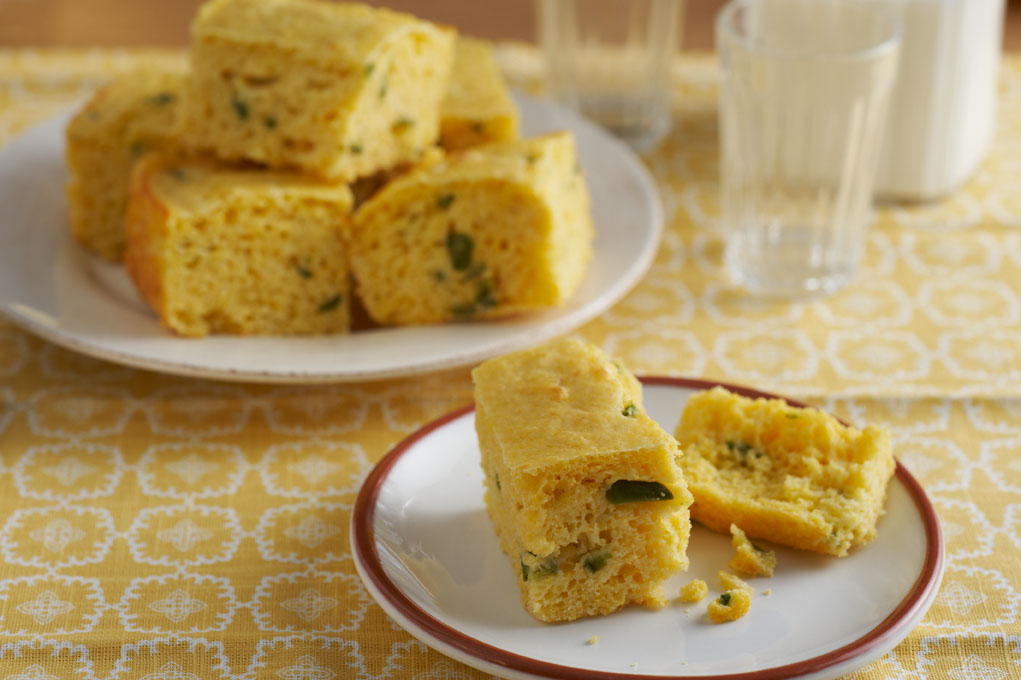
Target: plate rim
pixel 40 324
pixel 369 566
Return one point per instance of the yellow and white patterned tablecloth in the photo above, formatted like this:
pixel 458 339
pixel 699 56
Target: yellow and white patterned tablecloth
pixel 166 528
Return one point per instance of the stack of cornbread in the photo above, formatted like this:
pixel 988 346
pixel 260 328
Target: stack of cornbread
pixel 313 152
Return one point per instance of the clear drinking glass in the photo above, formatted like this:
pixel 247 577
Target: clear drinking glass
pixel 610 60
pixel 803 101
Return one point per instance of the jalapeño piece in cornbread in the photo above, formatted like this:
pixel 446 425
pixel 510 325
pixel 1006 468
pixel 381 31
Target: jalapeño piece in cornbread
pixel 132 114
pixel 339 90
pixel 580 483
pixel 477 107
pixel 491 231
pixel 215 249
pixel 795 476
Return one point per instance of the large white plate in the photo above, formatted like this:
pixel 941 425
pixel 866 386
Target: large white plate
pixel 425 549
pixel 51 288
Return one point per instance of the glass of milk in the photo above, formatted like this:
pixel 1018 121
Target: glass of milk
pixel 611 59
pixel 803 103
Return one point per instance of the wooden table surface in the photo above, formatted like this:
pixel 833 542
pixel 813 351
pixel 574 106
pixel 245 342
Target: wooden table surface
pixel 82 23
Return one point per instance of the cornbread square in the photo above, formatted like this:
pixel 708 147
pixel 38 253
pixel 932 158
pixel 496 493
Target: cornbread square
pixel 581 484
pixel 238 250
pixel 489 232
pixel 339 90
pixel 477 107
pixel 795 476
pixel 130 115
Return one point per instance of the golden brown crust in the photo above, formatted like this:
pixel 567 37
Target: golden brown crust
pixel 146 234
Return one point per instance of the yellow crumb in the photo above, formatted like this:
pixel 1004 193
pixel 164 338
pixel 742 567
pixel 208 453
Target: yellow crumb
pixel 694 591
pixel 731 605
pixel 734 602
pixel 732 582
pixel 750 560
pixel 592 640
pixel 767 591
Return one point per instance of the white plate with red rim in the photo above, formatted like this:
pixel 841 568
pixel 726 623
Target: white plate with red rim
pixel 51 288
pixel 425 549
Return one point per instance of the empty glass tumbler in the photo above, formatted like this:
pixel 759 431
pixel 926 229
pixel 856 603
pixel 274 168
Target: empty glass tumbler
pixel 611 61
pixel 804 94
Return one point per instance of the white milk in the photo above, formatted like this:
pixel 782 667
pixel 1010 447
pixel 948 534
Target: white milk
pixel 943 109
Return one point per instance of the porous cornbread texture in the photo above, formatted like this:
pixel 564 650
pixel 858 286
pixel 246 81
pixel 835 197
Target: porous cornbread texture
pixel 795 476
pixel 244 251
pixel 130 115
pixel 491 231
pixel 339 90
pixel 477 107
pixel 580 483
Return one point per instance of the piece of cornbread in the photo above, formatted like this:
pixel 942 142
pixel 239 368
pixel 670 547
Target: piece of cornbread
pixel 477 107
pixel 488 232
pixel 228 250
pixel 580 483
pixel 130 115
pixel 336 89
pixel 750 559
pixel 795 476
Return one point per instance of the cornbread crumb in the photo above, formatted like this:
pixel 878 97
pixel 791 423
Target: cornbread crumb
pixel 795 476
pixel 767 591
pixel 733 603
pixel 750 560
pixel 581 484
pixel 489 232
pixel 214 249
pixel 732 582
pixel 127 117
pixel 694 591
pixel 340 90
pixel 592 640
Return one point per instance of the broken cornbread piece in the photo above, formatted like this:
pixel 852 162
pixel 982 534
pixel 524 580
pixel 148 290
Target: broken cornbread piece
pixel 795 476
pixel 492 231
pixel 336 89
pixel 477 107
pixel 132 114
pixel 750 559
pixel 580 483
pixel 243 251
pixel 733 603
pixel 694 591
